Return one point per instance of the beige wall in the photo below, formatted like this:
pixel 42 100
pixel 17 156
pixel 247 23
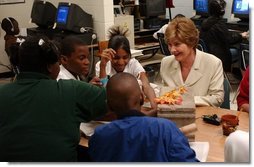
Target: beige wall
pixel 101 10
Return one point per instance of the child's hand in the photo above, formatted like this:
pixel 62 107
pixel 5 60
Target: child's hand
pixel 245 34
pixel 96 81
pixel 149 112
pixel 107 55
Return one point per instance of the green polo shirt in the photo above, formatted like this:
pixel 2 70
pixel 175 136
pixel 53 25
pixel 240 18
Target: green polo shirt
pixel 40 117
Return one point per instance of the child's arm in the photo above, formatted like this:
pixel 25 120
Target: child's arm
pixel 106 56
pixel 148 90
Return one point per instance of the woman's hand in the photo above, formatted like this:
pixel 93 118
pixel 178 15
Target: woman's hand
pixel 245 107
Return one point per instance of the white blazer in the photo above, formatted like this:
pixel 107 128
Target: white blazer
pixel 205 80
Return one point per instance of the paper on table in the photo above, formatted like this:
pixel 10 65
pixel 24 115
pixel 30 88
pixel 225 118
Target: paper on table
pixel 136 53
pixel 201 149
pixel 88 128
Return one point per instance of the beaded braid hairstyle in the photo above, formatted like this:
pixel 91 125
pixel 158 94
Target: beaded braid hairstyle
pixel 118 38
pixel 36 54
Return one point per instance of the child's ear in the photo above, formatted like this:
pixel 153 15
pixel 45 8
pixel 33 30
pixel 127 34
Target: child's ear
pixel 63 59
pixel 53 70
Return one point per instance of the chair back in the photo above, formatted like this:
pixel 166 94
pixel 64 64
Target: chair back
pixel 244 56
pixel 202 45
pixel 234 54
pixel 226 102
pixel 163 46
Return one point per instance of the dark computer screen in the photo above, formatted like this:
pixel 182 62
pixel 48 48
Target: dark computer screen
pixel 116 2
pixel 152 8
pixel 62 14
pixel 71 17
pixel 201 7
pixel 240 9
pixel 43 14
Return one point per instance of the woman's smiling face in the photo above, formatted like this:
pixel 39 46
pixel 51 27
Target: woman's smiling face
pixel 180 50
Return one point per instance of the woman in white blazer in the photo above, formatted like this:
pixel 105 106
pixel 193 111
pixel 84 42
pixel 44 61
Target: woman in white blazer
pixel 201 72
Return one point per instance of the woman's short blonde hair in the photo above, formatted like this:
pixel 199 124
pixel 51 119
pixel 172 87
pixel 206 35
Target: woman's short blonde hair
pixel 184 30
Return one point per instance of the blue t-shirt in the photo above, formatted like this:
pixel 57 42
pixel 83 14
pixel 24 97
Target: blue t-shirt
pixel 140 139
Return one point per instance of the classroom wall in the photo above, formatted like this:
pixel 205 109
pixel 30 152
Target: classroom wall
pixel 18 11
pixel 102 11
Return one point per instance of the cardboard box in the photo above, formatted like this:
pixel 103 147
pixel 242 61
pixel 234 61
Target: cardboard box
pixel 182 115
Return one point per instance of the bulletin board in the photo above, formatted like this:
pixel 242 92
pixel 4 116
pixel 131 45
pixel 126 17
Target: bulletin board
pixel 3 2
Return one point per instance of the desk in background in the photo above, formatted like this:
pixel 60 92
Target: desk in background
pixel 209 133
pixel 144 40
pixel 198 20
pixel 148 48
pixel 240 26
pixel 58 35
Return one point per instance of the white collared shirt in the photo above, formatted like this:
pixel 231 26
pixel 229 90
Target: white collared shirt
pixel 65 74
pixel 133 67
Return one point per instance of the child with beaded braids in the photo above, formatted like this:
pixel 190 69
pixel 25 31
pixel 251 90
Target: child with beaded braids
pixel 39 116
pixel 117 58
pixel 11 37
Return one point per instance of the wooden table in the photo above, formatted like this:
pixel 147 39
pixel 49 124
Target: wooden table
pixel 210 133
pixel 213 134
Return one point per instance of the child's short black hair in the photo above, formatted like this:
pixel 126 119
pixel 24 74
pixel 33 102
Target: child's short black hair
pixel 216 8
pixel 69 43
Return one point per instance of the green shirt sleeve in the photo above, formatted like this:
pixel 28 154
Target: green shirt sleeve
pixel 90 100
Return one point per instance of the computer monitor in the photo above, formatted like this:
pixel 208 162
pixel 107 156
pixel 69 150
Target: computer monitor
pixel 240 9
pixel 152 8
pixel 116 2
pixel 71 17
pixel 43 14
pixel 201 7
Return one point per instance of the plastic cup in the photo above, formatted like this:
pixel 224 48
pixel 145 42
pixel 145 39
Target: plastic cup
pixel 104 81
pixel 229 123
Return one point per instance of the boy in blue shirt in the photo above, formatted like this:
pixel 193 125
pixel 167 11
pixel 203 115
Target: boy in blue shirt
pixel 135 137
